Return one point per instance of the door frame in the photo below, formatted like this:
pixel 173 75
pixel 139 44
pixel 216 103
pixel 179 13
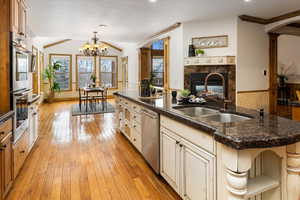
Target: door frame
pixel 273 71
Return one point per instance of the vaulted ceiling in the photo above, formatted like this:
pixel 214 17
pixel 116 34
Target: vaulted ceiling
pixel 134 20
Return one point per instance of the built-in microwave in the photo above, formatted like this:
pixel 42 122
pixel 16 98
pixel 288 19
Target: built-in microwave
pixel 21 67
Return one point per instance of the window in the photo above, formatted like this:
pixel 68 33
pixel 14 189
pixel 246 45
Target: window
pixel 85 68
pixel 158 71
pixel 158 45
pixel 108 71
pixel 64 74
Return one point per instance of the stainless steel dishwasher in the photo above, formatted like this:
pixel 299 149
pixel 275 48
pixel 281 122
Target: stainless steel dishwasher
pixel 150 138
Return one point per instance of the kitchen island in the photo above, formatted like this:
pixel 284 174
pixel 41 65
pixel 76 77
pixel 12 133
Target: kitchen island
pixel 210 154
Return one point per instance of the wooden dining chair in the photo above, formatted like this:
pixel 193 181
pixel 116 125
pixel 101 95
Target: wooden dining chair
pixel 102 97
pixel 82 98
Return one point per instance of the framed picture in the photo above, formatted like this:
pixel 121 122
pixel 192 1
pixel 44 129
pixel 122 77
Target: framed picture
pixel 210 42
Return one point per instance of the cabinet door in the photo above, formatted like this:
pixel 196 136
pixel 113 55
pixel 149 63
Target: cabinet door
pixel 6 164
pixel 14 16
pixel 22 18
pixel 31 128
pixel 197 173
pixel 36 124
pixel 169 158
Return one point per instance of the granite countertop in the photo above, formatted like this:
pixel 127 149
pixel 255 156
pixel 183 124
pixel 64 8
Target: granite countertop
pixel 295 103
pixel 5 116
pixel 272 131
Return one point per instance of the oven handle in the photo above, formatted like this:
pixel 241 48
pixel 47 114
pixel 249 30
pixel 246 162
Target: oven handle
pixel 23 93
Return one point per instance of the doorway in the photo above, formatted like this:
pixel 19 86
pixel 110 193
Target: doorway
pixel 154 63
pixel 124 61
pixel 284 68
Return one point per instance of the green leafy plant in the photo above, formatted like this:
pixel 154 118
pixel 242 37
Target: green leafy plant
pixel 199 52
pixel 93 78
pixel 184 93
pixel 49 74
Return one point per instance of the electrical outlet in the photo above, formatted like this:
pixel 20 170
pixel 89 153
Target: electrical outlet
pixel 265 72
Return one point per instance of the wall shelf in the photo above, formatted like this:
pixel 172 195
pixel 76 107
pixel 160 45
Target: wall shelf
pixel 209 60
pixel 260 184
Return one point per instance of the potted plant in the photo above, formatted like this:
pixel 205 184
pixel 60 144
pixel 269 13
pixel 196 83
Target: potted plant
pixel 284 72
pixel 199 52
pixel 49 74
pixel 183 96
pixel 152 89
pixel 93 79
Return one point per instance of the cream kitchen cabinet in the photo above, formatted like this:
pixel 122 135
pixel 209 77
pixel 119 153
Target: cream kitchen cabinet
pixel 33 125
pixel 197 172
pixel 129 121
pixel 170 158
pixel 187 167
pixel 19 17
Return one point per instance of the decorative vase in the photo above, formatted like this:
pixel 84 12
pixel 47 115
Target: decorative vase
pixel 174 94
pixel 281 81
pixel 191 50
pixel 51 96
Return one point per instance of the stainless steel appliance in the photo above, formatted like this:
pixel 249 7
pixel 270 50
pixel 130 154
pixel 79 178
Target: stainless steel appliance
pixel 20 106
pixel 21 60
pixel 150 139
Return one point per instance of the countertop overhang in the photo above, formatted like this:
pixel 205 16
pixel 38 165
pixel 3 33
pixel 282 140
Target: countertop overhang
pixel 271 131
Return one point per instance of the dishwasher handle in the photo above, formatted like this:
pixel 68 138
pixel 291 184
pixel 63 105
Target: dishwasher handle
pixel 151 115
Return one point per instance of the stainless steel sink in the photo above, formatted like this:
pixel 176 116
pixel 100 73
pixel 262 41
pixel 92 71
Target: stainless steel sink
pixel 227 118
pixel 196 111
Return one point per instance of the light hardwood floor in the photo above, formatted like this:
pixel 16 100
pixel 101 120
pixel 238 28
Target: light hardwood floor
pixel 85 158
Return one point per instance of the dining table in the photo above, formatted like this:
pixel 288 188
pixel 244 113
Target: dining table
pixel 97 90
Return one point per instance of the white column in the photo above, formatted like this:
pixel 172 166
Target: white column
pixel 236 184
pixel 293 176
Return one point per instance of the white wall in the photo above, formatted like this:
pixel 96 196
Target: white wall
pixel 289 55
pixel 215 27
pixel 131 50
pixel 252 57
pixel 176 56
pixel 247 41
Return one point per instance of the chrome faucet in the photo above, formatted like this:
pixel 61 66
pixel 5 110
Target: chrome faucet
pixel 225 101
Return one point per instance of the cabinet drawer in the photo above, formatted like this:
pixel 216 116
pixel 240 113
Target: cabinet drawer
pixel 5 128
pixel 20 152
pixel 126 103
pixel 137 139
pixel 137 117
pixel 137 126
pixel 136 108
pixel 197 137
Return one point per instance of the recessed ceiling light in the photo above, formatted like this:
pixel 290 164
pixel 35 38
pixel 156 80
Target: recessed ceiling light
pixel 152 1
pixel 247 0
pixel 102 25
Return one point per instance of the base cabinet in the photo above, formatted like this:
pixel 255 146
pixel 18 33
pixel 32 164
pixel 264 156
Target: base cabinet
pixel 170 158
pixel 197 168
pixel 33 125
pixel 129 121
pixel 20 152
pixel 189 169
pixel 6 160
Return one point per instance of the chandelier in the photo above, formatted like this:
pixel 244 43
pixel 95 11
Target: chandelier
pixel 94 49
